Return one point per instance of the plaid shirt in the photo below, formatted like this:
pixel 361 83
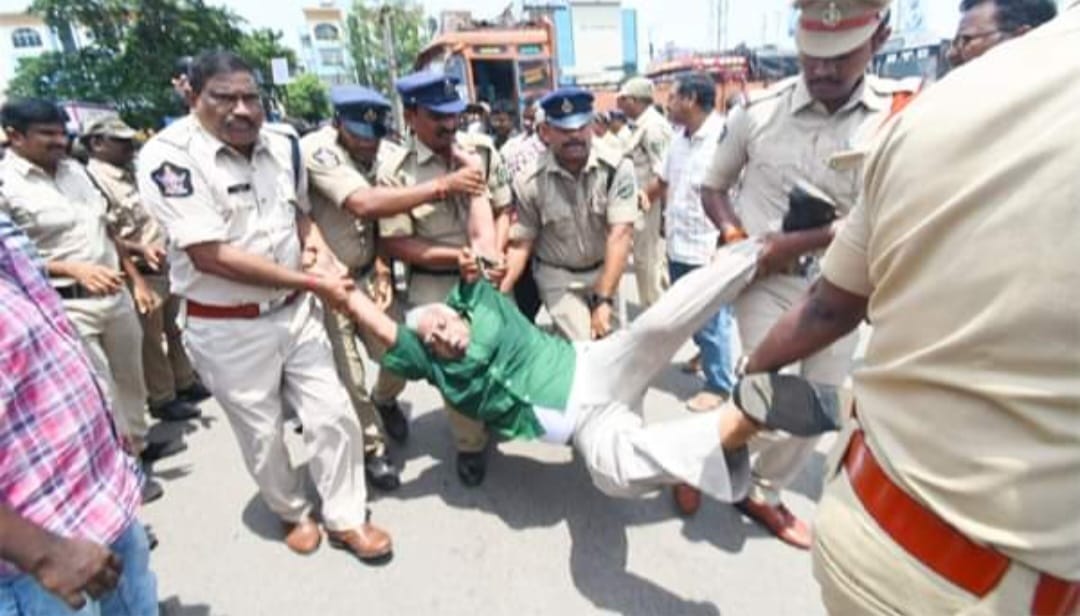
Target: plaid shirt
pixel 61 465
pixel 691 236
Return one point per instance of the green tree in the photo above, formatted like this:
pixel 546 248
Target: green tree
pixel 136 43
pixel 367 23
pixel 307 97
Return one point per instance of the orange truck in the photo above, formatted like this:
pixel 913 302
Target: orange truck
pixel 496 62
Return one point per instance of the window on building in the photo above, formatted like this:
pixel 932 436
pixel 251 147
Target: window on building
pixel 326 32
pixel 332 57
pixel 25 37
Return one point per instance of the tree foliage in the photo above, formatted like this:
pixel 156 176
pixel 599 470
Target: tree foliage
pixel 135 45
pixel 306 97
pixel 367 23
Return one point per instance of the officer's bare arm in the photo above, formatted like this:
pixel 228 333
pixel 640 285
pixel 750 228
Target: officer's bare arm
pixel 517 258
pixel 226 261
pixel 655 190
pixel 823 316
pixel 418 251
pixel 482 234
pixel 385 201
pixel 368 316
pixel 502 230
pixel 719 209
pixel 619 240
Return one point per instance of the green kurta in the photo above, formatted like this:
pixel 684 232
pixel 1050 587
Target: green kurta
pixel 509 366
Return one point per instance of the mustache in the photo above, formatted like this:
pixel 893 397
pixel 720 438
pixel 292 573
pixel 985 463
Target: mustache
pixel 444 132
pixel 240 123
pixel 574 142
pixel 826 81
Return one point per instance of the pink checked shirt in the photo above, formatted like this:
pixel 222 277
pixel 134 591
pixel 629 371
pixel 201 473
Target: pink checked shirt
pixel 61 465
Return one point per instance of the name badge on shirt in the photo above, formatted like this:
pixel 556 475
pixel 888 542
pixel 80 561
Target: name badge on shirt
pixel 238 188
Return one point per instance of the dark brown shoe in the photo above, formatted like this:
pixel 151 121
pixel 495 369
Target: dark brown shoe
pixel 369 543
pixel 303 537
pixel 687 498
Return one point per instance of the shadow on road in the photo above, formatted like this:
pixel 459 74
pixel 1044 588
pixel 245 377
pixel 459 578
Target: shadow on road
pixel 173 606
pixel 528 493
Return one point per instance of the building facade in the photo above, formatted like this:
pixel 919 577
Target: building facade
pixel 324 44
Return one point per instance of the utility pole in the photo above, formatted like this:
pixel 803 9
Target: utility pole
pixel 386 21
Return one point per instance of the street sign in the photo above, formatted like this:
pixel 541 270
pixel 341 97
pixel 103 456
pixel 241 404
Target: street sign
pixel 279 71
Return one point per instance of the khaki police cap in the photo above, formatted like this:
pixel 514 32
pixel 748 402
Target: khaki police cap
pixel 830 28
pixel 109 126
pixel 636 87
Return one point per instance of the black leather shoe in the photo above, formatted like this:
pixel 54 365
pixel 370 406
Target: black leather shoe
pixel 164 449
pixel 394 421
pixel 175 410
pixel 472 467
pixel 382 473
pixel 194 394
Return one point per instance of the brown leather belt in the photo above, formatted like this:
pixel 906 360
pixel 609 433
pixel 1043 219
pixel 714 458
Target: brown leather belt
pixel 241 311
pixel 574 270
pixel 945 550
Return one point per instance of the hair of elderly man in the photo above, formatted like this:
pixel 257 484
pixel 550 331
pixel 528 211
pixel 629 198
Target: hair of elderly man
pixel 414 316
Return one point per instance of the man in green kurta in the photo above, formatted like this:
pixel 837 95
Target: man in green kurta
pixel 492 364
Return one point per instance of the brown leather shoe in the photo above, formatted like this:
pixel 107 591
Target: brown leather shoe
pixel 303 537
pixel 779 521
pixel 706 401
pixel 368 543
pixel 687 498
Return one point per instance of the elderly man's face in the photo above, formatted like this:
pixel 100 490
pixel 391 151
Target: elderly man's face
pixel 444 332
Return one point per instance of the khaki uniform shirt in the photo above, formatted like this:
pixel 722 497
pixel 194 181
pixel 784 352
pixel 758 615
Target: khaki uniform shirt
pixel 64 215
pixel 648 145
pixel 624 136
pixel 333 176
pixel 127 217
pixel 967 245
pixel 440 222
pixel 610 142
pixel 784 136
pixel 202 190
pixel 568 216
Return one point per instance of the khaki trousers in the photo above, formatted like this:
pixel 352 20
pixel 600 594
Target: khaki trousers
pixel 352 347
pixel 862 571
pixel 470 435
pixel 259 368
pixel 110 329
pixel 165 363
pixel 563 294
pixel 778 456
pixel 650 267
pixel 625 457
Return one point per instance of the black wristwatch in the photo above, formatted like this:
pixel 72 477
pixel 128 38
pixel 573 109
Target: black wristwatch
pixel 595 299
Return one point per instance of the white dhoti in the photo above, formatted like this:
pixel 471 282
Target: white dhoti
pixel 625 457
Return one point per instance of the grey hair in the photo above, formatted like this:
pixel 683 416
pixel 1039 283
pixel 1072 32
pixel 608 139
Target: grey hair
pixel 415 315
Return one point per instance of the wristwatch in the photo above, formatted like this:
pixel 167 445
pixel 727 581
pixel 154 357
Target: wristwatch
pixel 730 234
pixel 595 299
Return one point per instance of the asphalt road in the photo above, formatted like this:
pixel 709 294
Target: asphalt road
pixel 535 538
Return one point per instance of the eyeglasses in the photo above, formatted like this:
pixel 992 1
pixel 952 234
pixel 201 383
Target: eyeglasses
pixel 961 41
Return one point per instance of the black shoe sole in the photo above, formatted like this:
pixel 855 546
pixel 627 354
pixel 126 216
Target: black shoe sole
pixel 381 559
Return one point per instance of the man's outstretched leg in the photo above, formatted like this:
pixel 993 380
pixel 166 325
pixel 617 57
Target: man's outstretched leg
pixel 709 451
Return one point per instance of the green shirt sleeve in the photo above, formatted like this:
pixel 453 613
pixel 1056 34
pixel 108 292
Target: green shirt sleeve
pixel 408 357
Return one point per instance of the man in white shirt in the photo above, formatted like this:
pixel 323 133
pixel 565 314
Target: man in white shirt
pixel 691 238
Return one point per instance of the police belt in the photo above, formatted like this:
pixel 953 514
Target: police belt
pixel 573 270
pixel 419 269
pixel 240 311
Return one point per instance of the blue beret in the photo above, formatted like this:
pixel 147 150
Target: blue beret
pixel 362 111
pixel 433 91
pixel 568 108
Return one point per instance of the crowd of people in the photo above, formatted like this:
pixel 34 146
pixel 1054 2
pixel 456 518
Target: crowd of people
pixel 232 257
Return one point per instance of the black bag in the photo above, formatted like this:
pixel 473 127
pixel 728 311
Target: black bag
pixel 808 208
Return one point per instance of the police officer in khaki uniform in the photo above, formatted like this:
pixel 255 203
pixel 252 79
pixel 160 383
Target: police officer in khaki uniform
pixel 956 490
pixel 53 200
pixel 647 147
pixel 800 131
pixel 170 380
pixel 576 210
pixel 232 197
pixel 341 161
pixel 429 236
